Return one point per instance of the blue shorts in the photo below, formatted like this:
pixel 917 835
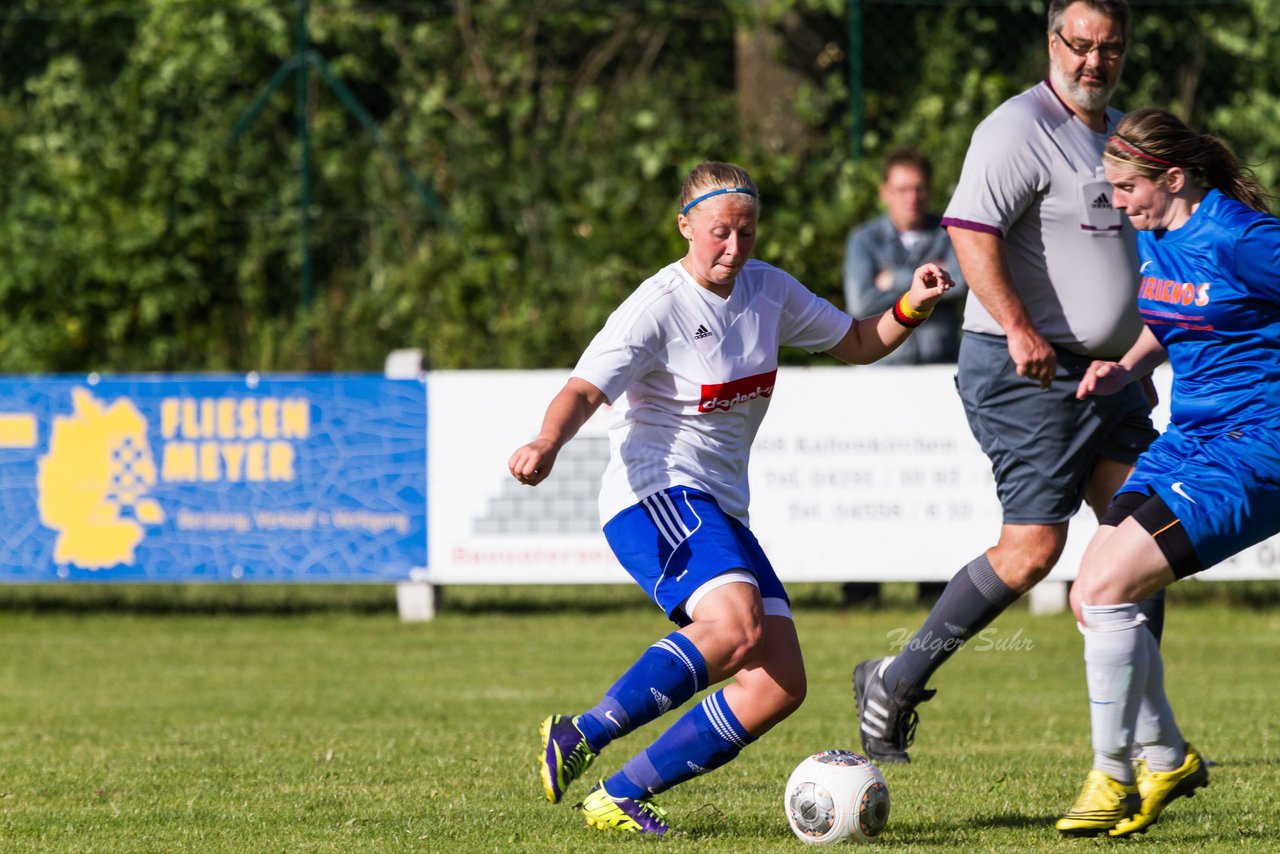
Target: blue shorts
pixel 1225 490
pixel 1042 443
pixel 676 541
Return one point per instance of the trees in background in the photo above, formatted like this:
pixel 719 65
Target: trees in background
pixel 137 235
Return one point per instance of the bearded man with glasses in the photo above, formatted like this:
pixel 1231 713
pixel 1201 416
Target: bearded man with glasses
pixel 1053 268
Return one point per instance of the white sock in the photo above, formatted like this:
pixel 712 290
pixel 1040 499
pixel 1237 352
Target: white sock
pixel 1157 732
pixel 1116 667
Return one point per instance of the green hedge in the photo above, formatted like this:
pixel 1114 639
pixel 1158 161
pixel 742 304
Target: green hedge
pixel 137 234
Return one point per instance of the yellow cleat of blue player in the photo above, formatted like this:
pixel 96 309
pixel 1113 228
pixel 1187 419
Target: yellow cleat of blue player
pixel 1103 803
pixel 1160 788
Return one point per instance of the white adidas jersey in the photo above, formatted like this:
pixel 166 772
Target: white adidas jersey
pixel 690 376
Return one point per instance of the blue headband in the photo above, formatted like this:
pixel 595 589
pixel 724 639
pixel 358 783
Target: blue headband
pixel 745 190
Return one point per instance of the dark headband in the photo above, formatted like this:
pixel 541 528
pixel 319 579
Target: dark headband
pixel 1133 149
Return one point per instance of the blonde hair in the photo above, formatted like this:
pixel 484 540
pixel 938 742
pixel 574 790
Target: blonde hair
pixel 1151 142
pixel 712 175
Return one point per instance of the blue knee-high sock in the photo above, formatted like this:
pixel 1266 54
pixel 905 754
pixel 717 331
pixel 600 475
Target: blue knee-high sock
pixel 663 678
pixel 706 737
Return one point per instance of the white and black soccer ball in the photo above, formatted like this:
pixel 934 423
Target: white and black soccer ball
pixel 836 795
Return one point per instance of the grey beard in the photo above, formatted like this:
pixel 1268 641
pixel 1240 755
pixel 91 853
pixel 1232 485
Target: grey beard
pixel 1089 100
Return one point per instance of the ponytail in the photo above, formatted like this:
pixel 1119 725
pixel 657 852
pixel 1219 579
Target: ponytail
pixel 1150 141
pixel 1226 174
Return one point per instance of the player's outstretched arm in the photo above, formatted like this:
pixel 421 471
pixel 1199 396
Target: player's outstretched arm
pixel 569 410
pixel 873 338
pixel 986 269
pixel 1104 377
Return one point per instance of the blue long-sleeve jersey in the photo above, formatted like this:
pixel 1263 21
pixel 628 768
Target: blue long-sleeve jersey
pixel 1210 291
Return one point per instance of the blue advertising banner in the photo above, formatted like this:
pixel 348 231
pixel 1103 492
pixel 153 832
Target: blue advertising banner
pixel 212 478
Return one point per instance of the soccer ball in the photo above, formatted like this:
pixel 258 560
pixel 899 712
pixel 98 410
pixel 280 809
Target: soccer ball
pixel 836 795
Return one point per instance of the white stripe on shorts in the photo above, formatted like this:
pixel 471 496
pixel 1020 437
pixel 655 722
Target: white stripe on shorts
pixel 665 518
pixel 662 512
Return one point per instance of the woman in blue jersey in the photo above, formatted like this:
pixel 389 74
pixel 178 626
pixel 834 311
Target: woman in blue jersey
pixel 1209 294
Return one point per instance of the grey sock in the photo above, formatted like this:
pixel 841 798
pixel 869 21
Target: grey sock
pixel 974 597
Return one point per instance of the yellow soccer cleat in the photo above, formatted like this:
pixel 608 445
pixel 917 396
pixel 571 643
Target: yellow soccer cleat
pixel 1103 803
pixel 1160 788
pixel 605 812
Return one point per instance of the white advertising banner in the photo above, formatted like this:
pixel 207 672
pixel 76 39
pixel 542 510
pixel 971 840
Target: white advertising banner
pixel 858 474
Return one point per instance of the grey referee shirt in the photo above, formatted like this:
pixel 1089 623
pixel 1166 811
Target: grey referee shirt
pixel 1033 176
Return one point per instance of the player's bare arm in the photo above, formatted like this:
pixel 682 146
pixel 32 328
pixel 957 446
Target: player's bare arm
pixel 982 260
pixel 1105 377
pixel 873 338
pixel 572 406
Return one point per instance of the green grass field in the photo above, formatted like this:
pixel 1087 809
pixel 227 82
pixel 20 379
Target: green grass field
pixel 299 720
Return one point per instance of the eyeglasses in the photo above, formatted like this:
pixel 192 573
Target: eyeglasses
pixel 1110 51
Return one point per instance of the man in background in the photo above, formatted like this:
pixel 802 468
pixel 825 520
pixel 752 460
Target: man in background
pixel 880 257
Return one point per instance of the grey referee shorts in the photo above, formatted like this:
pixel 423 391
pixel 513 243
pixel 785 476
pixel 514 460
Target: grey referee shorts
pixel 1042 443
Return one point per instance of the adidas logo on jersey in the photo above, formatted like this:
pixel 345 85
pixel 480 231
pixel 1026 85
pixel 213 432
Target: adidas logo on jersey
pixel 703 332
pixel 1102 202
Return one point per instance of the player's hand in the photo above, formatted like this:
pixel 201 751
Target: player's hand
pixel 1103 378
pixel 928 284
pixel 531 463
pixel 1033 356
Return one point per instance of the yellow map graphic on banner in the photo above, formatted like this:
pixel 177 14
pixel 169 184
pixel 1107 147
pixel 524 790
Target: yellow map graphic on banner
pixel 93 484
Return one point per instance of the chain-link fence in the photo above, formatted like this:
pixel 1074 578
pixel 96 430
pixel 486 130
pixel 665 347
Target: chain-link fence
pixel 924 72
pixel 488 179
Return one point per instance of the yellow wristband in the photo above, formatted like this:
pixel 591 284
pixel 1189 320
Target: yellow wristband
pixel 910 313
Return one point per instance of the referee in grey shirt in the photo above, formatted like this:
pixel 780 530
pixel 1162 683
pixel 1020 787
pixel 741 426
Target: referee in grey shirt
pixel 1053 268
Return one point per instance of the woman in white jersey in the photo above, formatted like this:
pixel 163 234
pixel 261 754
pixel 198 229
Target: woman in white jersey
pixel 689 362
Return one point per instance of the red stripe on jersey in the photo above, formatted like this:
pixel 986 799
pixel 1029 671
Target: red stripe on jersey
pixel 725 396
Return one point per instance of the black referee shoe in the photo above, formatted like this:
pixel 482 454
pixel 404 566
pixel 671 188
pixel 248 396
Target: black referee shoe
pixel 886 722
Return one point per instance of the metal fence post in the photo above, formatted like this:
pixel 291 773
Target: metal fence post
pixel 855 78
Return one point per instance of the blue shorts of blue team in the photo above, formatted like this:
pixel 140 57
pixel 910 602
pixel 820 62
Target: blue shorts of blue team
pixel 1043 443
pixel 1225 489
pixel 679 545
